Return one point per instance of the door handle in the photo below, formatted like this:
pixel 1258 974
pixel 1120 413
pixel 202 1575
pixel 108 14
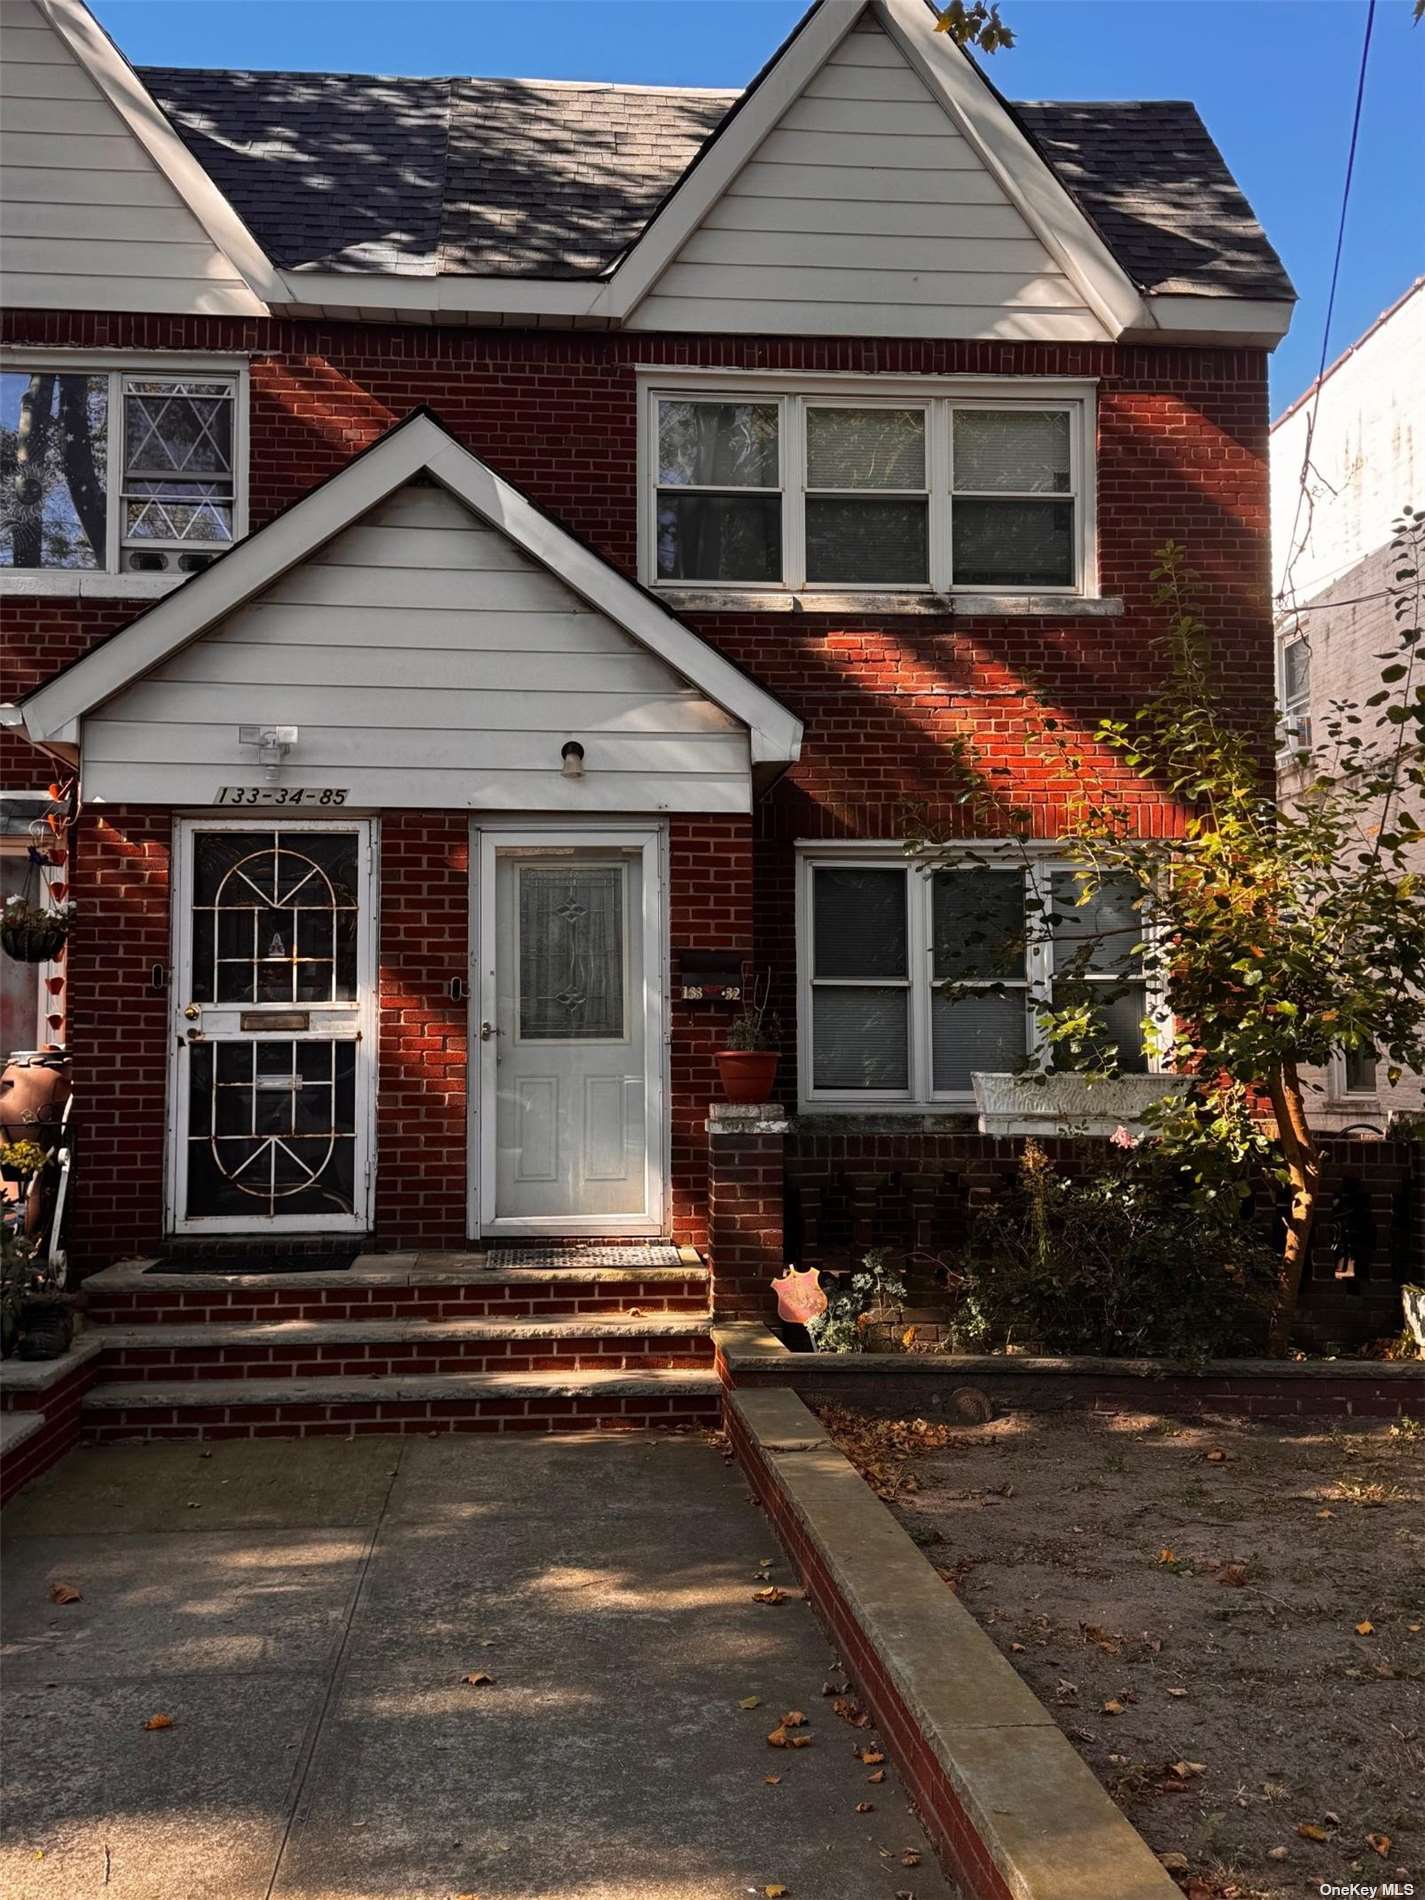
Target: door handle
pixel 192 1012
pixel 487 1030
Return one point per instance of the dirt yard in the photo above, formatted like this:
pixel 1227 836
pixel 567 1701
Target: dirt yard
pixel 1227 1619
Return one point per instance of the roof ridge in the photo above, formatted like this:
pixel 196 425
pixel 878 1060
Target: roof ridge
pixel 444 79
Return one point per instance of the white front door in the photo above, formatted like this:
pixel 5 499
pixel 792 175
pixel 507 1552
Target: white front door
pixel 569 1033
pixel 272 1078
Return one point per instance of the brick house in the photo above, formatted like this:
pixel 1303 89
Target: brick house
pixel 496 557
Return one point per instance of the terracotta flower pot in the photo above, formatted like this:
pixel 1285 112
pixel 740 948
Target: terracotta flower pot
pixel 747 1075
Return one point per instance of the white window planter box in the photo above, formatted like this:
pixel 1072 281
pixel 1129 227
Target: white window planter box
pixel 1012 1104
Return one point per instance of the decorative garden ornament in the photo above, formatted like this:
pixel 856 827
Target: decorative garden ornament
pixel 799 1295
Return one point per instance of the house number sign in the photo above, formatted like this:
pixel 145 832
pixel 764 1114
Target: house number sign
pixel 281 795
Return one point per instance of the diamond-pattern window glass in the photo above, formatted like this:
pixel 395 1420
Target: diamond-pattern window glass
pixel 571 953
pixel 178 461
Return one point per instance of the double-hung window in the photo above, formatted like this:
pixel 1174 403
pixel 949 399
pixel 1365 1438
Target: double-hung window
pixel 1294 694
pixel 120 468
pixel 911 981
pixel 851 490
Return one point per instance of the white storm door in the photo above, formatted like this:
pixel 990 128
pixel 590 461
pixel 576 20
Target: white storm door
pixel 569 1037
pixel 272 1083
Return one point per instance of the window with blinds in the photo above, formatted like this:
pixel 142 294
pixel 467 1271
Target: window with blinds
pixel 913 981
pixel 870 493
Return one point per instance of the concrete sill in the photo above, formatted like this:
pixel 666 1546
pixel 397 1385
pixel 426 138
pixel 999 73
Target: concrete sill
pixel 64 583
pixel 727 600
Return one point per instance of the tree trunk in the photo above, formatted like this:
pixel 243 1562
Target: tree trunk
pixel 31 448
pixel 1303 1162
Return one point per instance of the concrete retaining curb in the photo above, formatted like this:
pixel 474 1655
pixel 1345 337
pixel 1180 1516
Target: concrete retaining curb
pixel 748 1355
pixel 1013 1811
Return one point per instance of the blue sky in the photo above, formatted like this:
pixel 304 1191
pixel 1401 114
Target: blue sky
pixel 1274 80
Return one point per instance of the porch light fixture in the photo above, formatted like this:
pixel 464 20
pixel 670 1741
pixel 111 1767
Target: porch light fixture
pixel 571 756
pixel 273 743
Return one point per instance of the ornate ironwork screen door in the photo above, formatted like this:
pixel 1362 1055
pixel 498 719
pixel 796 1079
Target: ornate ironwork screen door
pixel 272 1086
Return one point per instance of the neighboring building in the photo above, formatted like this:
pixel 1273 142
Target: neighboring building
pixel 1365 421
pixel 501 556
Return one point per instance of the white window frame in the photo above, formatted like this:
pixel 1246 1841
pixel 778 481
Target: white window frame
pixel 111 582
pixel 1039 864
pixel 939 397
pixel 1295 714
pixel 16 846
pixel 1340 1088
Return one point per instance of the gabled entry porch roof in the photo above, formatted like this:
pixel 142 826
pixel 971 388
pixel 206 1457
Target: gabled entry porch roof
pixel 437 639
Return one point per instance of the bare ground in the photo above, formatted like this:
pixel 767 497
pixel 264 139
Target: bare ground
pixel 1226 1618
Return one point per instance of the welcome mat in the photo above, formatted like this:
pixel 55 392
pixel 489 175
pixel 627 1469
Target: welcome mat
pixel 260 1263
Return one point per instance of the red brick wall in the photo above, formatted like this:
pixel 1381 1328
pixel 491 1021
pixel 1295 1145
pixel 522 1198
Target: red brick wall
pixel 421 1098
pixel 1182 453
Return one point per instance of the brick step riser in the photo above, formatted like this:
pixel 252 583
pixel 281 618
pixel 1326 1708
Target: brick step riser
pixel 165 1307
pixel 314 1360
pixel 353 1418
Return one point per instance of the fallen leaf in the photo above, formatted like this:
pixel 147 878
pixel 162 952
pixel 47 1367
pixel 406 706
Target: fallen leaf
pixel 910 1858
pixel 1016 1649
pixel 771 1781
pixel 1175 1863
pixel 794 1719
pixel 1325 1513
pixel 778 1738
pixel 800 1741
pixel 850 1710
pixel 1216 1456
pixel 865 1807
pixel 878 1777
pixel 1380 1842
pixel 1365 1627
pixel 1185 1770
pixel 832 1687
pixel 1167 1555
pixel 64 1593
pixel 1309 1831
pixel 871 1756
pixel 1112 1707
pixel 1278 1853
pixel 1177 1691
pixel 477 1678
pixel 771 1595
pixel 1234 1575
pixel 776 1891
pixel 1414 1628
pixel 750 1702
pixel 159 1721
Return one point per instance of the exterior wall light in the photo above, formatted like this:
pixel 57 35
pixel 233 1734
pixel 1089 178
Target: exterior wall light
pixel 571 756
pixel 273 743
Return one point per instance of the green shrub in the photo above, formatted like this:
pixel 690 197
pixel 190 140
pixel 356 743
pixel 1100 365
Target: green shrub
pixel 1119 1260
pixel 874 1288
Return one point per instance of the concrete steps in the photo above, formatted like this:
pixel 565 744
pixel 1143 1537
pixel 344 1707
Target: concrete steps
pixel 389 1402
pixel 307 1348
pixel 554 1339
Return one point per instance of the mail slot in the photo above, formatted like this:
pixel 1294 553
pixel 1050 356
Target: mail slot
pixel 275 1019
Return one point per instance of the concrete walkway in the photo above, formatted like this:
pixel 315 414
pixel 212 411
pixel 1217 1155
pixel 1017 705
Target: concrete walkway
pixel 305 1611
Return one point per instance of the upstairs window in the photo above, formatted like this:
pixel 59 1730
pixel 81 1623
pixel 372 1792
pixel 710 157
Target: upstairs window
pixel 115 471
pixel 1295 694
pixel 875 493
pixel 912 982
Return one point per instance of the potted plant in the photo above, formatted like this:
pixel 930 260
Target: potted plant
pixel 748 1062
pixel 33 933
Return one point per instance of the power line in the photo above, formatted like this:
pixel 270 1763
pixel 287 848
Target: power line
pixel 1296 548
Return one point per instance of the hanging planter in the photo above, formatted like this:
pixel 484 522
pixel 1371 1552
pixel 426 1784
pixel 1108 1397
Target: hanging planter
pixel 33 929
pixel 32 934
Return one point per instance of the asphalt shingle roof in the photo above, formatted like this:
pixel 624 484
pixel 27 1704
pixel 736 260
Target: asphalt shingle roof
pixel 532 178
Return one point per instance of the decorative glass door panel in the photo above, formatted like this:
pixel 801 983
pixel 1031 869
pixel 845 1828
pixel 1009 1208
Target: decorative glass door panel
pixel 564 1043
pixel 273 992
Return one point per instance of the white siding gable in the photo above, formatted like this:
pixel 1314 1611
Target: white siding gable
pixel 429 663
pixel 866 211
pixel 89 220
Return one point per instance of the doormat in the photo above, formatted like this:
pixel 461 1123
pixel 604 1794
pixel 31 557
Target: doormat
pixel 260 1263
